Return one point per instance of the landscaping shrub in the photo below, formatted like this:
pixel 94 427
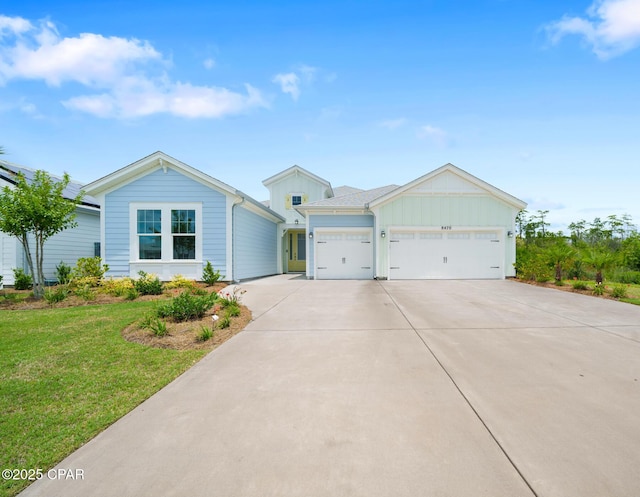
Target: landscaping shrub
pixel 22 280
pixel 148 284
pixel 598 289
pixel 89 267
pixel 619 291
pixel 179 281
pixel 205 334
pixel 224 322
pixel 85 292
pixel 56 295
pixel 119 287
pixel 63 273
pixel 187 306
pixel 158 328
pixel 579 285
pixel 209 275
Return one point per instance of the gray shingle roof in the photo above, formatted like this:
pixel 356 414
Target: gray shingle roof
pixel 357 199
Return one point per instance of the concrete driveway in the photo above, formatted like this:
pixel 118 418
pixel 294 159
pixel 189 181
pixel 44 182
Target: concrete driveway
pixel 365 388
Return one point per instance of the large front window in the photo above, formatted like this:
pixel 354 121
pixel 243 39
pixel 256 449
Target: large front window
pixel 167 232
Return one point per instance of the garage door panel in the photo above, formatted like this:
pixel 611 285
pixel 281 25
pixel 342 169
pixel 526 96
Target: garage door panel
pixel 344 255
pixel 449 255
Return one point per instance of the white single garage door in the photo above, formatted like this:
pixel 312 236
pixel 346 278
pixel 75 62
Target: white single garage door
pixel 416 255
pixel 343 254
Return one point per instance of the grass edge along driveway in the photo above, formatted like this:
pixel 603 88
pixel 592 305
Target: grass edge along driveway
pixel 66 374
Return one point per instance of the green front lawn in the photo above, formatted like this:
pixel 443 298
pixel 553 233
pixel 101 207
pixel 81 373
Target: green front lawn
pixel 66 374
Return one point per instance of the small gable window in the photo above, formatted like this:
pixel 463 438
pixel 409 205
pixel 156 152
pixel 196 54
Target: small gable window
pixel 293 200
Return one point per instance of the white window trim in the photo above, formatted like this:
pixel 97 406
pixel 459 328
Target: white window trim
pixel 167 236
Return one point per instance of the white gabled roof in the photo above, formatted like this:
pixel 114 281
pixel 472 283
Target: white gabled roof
pixel 156 160
pixel 477 183
pixel 159 160
pixel 297 170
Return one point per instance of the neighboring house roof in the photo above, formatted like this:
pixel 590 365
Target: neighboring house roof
pixel 357 199
pixel 161 160
pixel 476 182
pixel 297 170
pixel 10 171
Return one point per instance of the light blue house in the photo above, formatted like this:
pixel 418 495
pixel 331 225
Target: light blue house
pixel 67 246
pixel 165 217
pixel 162 216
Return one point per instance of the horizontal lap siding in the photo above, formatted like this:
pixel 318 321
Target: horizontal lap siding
pixel 162 187
pixel 70 245
pixel 335 221
pixel 255 245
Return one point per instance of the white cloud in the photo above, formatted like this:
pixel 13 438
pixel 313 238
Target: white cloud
pixel 289 83
pixel 209 63
pixel 611 27
pixel 435 135
pixel 393 123
pixel 129 74
pixel 292 82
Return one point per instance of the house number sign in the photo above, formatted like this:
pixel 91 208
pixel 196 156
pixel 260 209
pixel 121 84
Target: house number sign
pixel 445 227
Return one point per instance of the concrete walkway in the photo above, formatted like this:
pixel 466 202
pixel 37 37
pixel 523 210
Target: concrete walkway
pixel 365 388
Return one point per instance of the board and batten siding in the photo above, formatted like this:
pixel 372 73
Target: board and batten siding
pixel 255 245
pixel 163 188
pixel 435 211
pixel 335 221
pixel 294 183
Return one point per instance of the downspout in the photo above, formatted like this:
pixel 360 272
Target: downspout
pixel 235 204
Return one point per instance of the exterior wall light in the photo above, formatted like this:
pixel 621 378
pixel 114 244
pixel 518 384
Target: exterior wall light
pixel 383 234
pixel 296 221
pixel 510 234
pixel 311 234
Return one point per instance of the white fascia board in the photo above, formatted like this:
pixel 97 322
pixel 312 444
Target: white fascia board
pixel 157 160
pixel 296 170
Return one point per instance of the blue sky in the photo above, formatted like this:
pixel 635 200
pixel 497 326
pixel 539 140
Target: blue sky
pixel 540 99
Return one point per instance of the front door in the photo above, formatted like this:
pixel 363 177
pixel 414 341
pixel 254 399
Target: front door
pixel 297 248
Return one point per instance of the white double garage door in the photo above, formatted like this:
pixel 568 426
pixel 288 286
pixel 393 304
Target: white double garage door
pixel 412 254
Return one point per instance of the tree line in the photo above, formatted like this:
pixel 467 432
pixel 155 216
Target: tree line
pixel 590 251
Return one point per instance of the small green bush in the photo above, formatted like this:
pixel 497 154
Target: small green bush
pixel 89 267
pixel 224 321
pixel 158 328
pixel 131 294
pixel 22 280
pixel 619 291
pixel 187 306
pixel 205 334
pixel 579 285
pixel 148 284
pixel 209 275
pixel 85 292
pixel 119 287
pixel 233 310
pixel 598 289
pixel 63 273
pixel 57 294
pixel 179 281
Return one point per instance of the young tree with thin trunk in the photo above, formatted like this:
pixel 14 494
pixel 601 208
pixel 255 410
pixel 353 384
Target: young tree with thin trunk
pixel 33 212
